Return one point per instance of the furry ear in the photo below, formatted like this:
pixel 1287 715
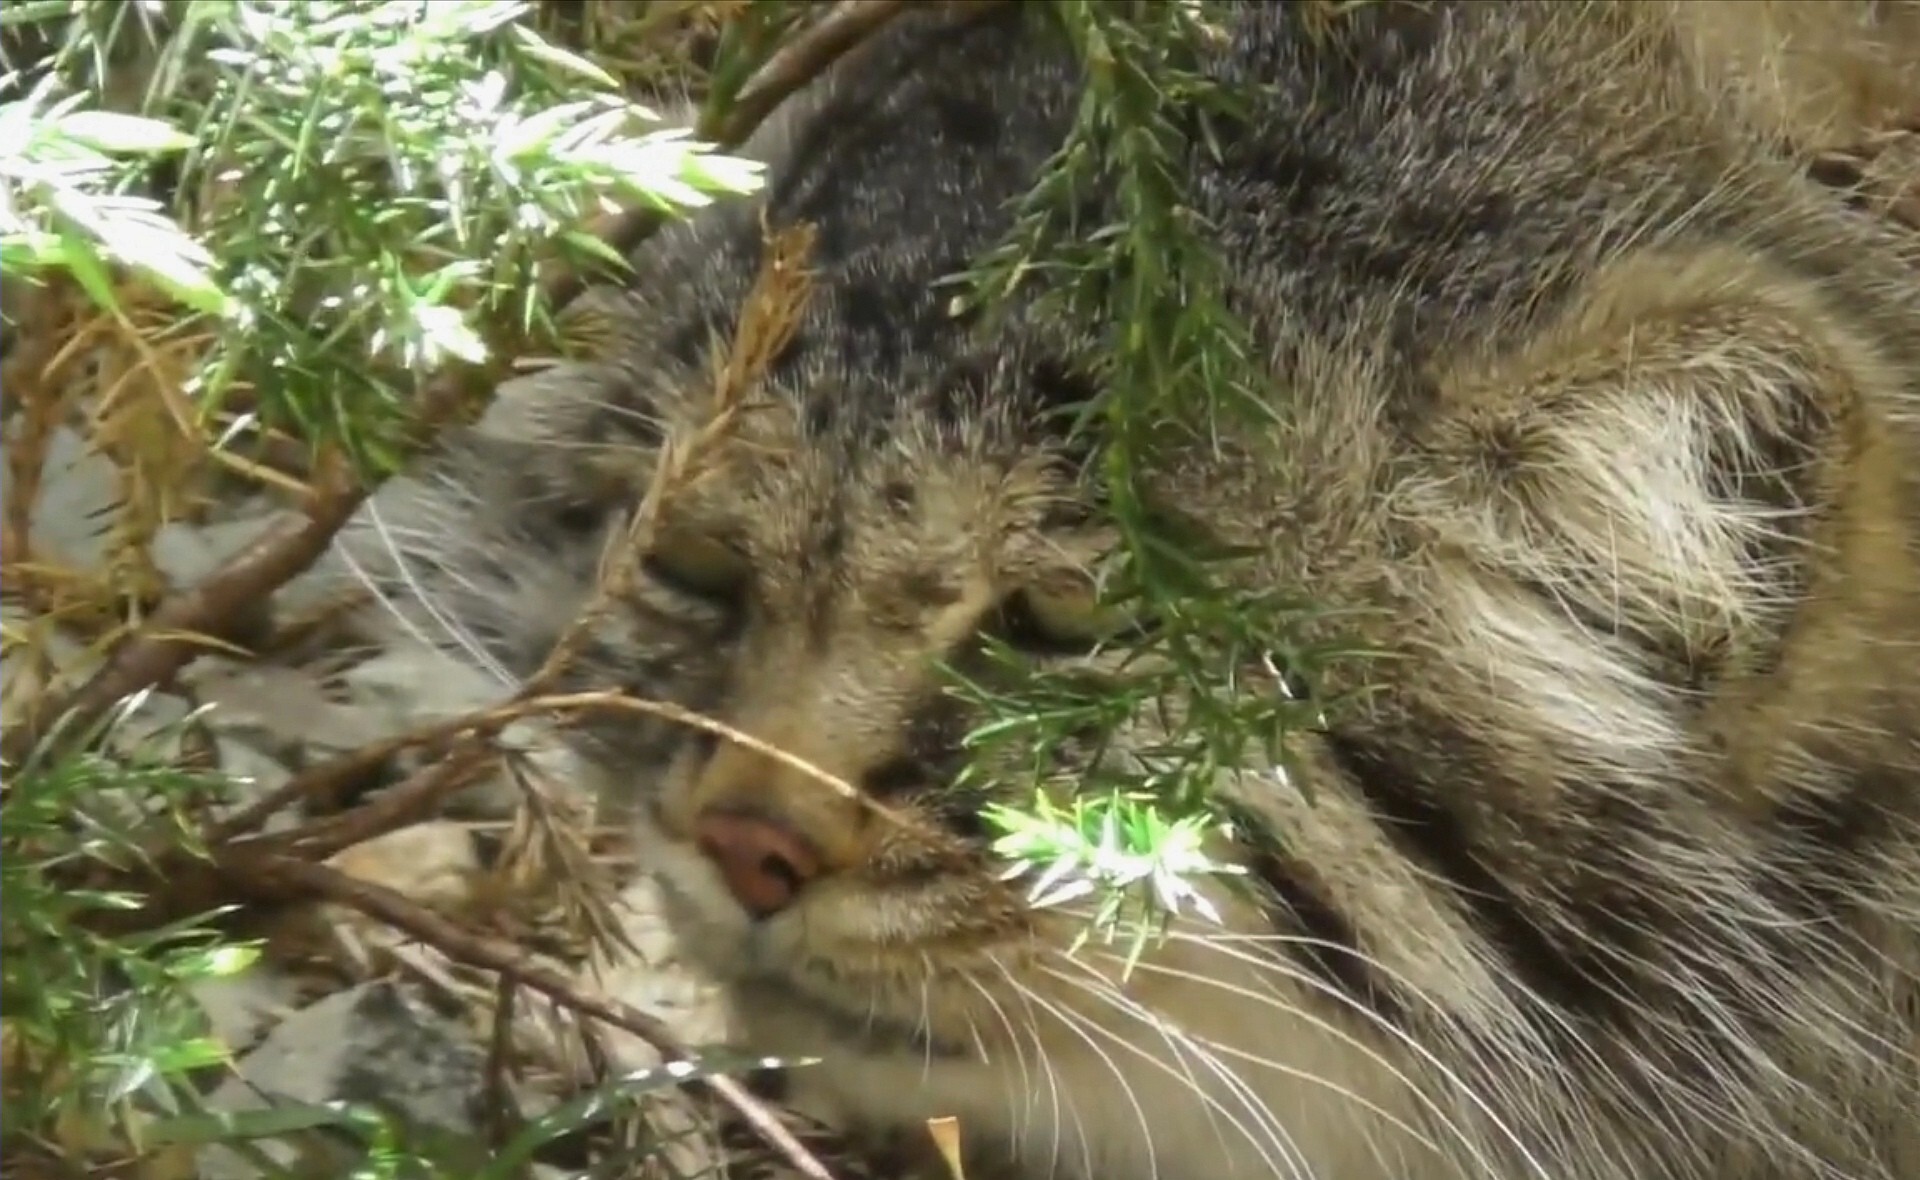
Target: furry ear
pixel 1667 479
pixel 489 547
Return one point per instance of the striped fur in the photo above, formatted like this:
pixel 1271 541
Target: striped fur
pixel 1597 418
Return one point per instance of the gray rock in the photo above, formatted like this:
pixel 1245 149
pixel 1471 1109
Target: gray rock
pixel 410 685
pixel 253 776
pixel 73 510
pixel 241 1007
pixel 153 725
pixel 373 1046
pixel 282 712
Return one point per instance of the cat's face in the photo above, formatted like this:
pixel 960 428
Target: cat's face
pixel 867 922
pixel 817 589
pixel 851 577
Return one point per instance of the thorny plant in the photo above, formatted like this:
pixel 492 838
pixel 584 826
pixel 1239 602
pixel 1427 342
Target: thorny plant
pixel 333 199
pixel 1226 671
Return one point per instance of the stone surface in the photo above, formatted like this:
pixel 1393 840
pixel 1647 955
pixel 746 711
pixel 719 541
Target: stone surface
pixel 410 685
pixel 655 979
pixel 241 1008
pixel 284 713
pixel 433 864
pixel 372 1045
pixel 187 552
pixel 71 513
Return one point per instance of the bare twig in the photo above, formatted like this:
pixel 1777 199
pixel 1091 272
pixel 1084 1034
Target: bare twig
pixel 501 1114
pixel 845 25
pixel 418 796
pixel 193 884
pixel 168 641
pixel 287 878
pixel 768 318
pixel 421 795
pixel 329 778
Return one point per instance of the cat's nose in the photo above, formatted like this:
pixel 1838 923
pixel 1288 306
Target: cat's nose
pixel 764 862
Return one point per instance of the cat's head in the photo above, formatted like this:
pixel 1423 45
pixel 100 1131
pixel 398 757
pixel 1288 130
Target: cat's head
pixel 834 581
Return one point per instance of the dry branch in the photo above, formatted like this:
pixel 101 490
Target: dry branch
pixel 289 878
pixel 417 797
pixel 172 636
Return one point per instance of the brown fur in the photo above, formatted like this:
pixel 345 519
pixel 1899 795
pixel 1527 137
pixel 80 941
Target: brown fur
pixel 1597 415
pixel 1825 75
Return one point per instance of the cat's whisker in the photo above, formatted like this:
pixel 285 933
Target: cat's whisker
pixel 1295 1012
pixel 1176 1041
pixel 402 565
pixel 1080 1028
pixel 1274 1138
pixel 926 1017
pixel 1014 1100
pixel 1055 1084
pixel 1278 965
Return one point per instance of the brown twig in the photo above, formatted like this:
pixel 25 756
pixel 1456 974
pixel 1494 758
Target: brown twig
pixel 501 1114
pixel 162 647
pixel 417 797
pixel 329 778
pixel 845 25
pixel 287 877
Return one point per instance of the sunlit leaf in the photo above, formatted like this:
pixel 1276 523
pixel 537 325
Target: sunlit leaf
pixel 111 131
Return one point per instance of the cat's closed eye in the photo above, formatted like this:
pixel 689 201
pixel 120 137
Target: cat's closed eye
pixel 698 566
pixel 1062 622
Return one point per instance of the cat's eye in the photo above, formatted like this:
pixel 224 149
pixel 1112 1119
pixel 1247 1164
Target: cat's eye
pixel 1062 621
pixel 696 565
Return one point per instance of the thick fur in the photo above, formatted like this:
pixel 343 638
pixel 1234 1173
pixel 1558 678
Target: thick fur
pixel 1596 418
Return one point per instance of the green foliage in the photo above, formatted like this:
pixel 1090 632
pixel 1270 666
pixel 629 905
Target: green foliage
pixel 385 1147
pixel 1226 670
pixel 67 206
pixel 95 1020
pixel 339 197
pixel 1121 850
pixel 373 183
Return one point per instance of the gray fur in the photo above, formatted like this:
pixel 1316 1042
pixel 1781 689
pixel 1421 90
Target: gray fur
pixel 1599 414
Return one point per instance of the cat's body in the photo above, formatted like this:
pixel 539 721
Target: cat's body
pixel 1597 416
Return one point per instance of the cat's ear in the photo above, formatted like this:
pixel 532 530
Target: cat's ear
pixel 1670 485
pixel 490 544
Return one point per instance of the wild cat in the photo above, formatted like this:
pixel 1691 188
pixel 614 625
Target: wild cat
pixel 1596 414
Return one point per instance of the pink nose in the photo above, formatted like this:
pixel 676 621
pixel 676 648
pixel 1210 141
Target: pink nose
pixel 763 862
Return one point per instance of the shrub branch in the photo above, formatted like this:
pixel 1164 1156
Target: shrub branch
pixel 281 877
